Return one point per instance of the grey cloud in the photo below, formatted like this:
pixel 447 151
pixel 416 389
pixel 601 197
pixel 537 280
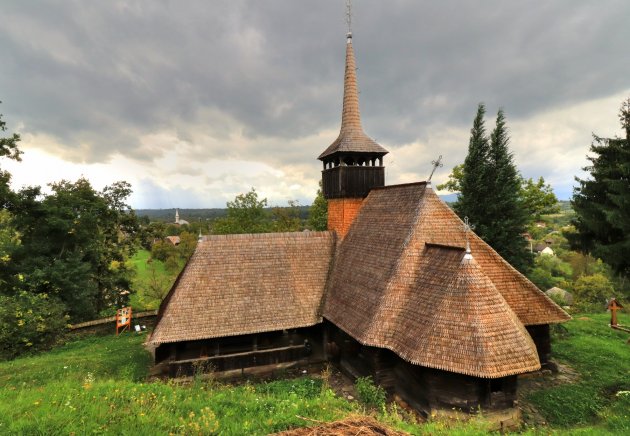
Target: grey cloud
pixel 100 75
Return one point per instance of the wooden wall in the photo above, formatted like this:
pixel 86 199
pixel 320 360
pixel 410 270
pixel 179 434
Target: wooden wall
pixel 542 338
pixel 424 389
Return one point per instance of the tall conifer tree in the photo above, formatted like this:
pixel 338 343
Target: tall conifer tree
pixel 507 218
pixel 472 197
pixel 602 203
pixel 490 192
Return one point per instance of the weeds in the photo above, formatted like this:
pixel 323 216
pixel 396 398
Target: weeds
pixel 370 394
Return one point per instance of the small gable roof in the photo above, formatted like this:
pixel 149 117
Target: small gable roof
pixel 241 284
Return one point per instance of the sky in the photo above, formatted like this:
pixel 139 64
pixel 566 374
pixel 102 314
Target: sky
pixel 194 102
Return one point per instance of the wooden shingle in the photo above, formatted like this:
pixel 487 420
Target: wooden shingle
pixel 390 289
pixel 240 284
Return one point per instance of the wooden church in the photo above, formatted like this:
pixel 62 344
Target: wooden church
pixel 398 288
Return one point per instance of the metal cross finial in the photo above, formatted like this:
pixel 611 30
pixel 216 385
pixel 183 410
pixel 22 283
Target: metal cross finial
pixel 349 16
pixel 467 228
pixel 436 164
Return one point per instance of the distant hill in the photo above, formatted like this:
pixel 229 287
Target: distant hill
pixel 192 215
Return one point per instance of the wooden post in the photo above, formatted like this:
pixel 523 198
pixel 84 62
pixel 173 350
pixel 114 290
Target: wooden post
pixel 614 306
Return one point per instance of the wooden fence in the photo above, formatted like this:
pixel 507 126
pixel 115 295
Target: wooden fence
pixel 109 319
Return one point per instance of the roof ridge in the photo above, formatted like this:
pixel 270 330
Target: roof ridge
pixel 399 185
pixel 269 235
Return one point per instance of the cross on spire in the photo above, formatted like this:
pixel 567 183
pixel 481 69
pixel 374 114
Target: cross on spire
pixel 468 227
pixel 436 164
pixel 349 17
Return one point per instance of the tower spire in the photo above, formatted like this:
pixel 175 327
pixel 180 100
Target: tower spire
pixel 353 163
pixel 352 138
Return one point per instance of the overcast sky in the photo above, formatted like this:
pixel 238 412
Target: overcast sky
pixel 193 102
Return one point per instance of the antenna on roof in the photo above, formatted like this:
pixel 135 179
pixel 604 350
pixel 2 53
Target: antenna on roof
pixel 467 228
pixel 436 164
pixel 349 18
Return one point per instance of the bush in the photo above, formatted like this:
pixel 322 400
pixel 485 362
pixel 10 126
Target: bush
pixel 594 290
pixel 370 394
pixel 29 322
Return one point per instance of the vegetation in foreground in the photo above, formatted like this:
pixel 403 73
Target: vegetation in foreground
pixel 98 385
pixel 600 398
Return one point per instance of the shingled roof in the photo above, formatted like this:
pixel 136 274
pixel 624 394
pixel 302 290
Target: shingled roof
pixel 415 300
pixel 240 284
pixel 352 138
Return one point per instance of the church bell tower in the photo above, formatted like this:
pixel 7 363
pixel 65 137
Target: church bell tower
pixel 353 163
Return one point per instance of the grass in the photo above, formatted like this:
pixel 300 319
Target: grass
pixel 98 385
pixel 602 358
pixel 145 277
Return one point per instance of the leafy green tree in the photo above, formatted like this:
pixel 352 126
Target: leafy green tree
pixel 287 219
pixel 187 245
pixel 156 286
pixel 9 145
pixel 162 250
pixel 595 289
pixel 602 202
pixel 245 214
pixel 29 322
pixel 538 198
pixel 9 149
pixel 318 213
pixel 75 242
pixel 550 271
pixel 454 182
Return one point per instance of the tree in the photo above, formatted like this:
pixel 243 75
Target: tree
pixel 245 214
pixel 507 219
pixel 474 193
pixel 187 245
pixel 287 219
pixel 550 271
pixel 9 145
pixel 9 149
pixel 29 322
pixel 594 289
pixel 74 244
pixel 490 193
pixel 602 203
pixel 156 287
pixel 454 182
pixel 318 213
pixel 538 198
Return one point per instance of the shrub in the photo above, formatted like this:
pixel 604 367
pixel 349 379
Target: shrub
pixel 595 289
pixel 370 394
pixel 29 322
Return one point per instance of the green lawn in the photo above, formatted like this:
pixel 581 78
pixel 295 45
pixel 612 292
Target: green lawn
pixel 596 401
pixel 98 385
